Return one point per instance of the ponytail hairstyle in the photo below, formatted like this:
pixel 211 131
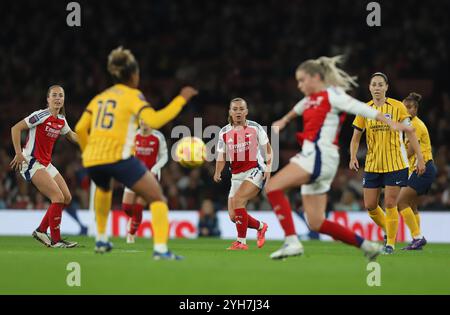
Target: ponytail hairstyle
pixel 328 71
pixel 122 65
pixel 415 98
pixel 62 111
pixel 237 99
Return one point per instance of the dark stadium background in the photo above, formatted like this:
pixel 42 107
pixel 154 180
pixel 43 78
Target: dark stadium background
pixel 226 49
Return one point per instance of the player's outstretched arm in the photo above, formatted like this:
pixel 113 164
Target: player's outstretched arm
pixel 157 119
pixel 282 123
pixel 16 131
pixel 72 137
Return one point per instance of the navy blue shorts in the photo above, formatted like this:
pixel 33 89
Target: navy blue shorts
pixel 127 172
pixel 422 184
pixel 380 180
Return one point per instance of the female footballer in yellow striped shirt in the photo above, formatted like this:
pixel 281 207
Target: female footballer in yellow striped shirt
pixel 417 185
pixel 386 160
pixel 106 133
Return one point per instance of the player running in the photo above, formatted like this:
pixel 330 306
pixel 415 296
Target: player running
pixel 106 133
pixel 151 149
pixel 35 163
pixel 386 160
pixel 314 168
pixel 417 184
pixel 240 142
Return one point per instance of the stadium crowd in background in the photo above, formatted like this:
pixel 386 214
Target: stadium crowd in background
pixel 177 45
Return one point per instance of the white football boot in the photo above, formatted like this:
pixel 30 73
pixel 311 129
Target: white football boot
pixel 288 250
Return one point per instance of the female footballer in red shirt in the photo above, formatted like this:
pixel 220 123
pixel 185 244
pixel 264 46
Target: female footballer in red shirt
pixel 150 149
pixel 34 163
pixel 313 169
pixel 240 142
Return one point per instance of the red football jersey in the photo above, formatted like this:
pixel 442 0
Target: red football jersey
pixel 45 129
pixel 242 146
pixel 151 149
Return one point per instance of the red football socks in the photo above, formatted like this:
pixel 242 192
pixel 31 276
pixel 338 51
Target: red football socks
pixel 136 219
pixel 44 223
pixel 241 221
pixel 128 209
pixel 283 211
pixel 340 233
pixel 55 216
pixel 252 222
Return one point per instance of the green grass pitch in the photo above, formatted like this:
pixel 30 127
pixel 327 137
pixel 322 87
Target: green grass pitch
pixel 27 267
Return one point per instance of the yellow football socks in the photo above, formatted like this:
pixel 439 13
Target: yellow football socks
pixel 417 215
pixel 391 225
pixel 102 206
pixel 410 220
pixel 160 223
pixel 378 216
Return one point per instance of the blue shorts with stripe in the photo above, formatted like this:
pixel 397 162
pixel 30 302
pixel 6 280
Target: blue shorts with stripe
pixel 127 172
pixel 422 184
pixel 380 180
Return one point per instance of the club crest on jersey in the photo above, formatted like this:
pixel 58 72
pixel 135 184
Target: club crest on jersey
pixel 388 116
pixel 33 119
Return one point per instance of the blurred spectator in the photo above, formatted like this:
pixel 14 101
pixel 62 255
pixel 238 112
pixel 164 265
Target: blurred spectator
pixel 348 202
pixel 208 224
pixel 2 197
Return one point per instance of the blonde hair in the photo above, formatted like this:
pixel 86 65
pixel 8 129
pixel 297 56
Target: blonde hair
pixel 237 99
pixel 327 68
pixel 62 111
pixel 122 64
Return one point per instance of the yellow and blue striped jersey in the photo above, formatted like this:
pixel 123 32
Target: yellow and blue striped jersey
pixel 386 151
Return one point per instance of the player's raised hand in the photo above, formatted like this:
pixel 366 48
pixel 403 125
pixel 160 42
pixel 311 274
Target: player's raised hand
pixel 354 165
pixel 188 92
pixel 16 163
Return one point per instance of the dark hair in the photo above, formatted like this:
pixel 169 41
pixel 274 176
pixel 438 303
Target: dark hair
pixel 62 111
pixel 237 99
pixel 414 97
pixel 122 64
pixel 380 74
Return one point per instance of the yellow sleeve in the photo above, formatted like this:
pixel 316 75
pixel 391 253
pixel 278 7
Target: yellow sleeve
pixel 157 119
pixel 359 123
pixel 83 127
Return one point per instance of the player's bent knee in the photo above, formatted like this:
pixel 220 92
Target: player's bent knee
pixel 68 199
pixel 391 203
pixel 239 201
pixel 371 206
pixel 232 218
pixel 57 198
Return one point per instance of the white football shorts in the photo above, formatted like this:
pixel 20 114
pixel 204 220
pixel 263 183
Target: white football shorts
pixel 254 175
pixel 321 162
